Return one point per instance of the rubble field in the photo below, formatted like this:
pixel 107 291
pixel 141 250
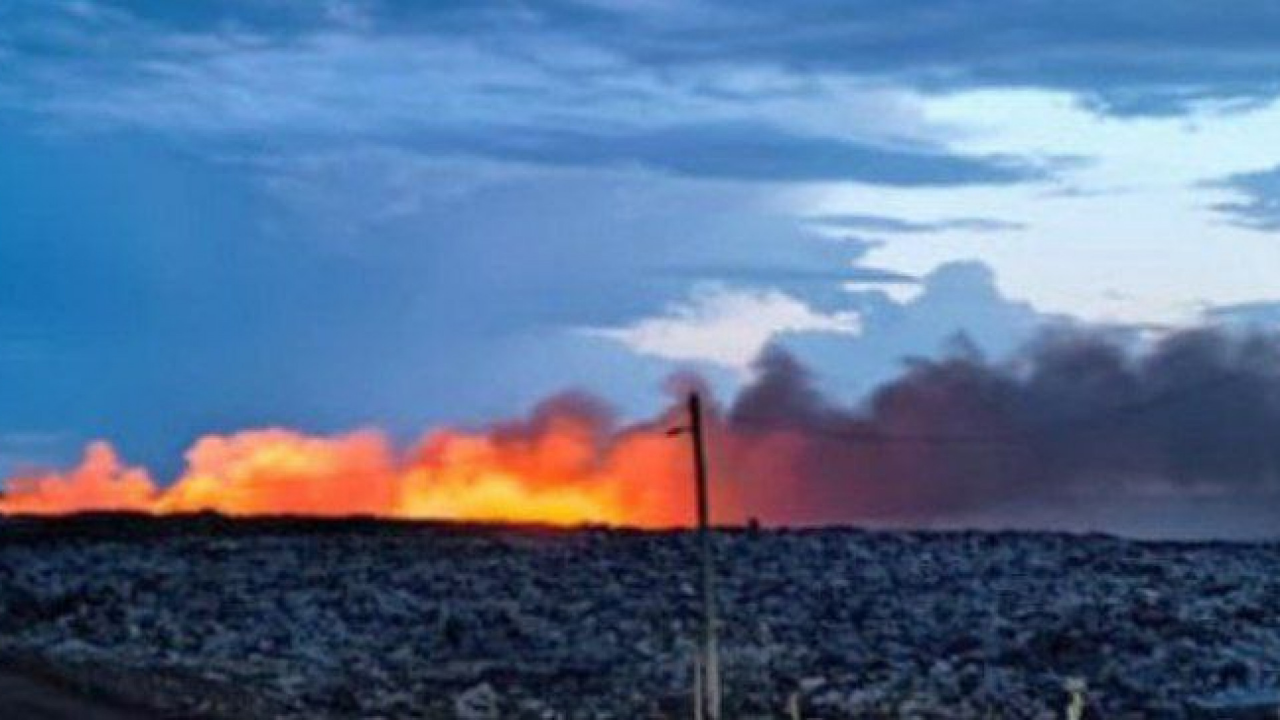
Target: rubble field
pixel 208 617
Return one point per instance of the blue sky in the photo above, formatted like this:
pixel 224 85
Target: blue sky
pixel 334 214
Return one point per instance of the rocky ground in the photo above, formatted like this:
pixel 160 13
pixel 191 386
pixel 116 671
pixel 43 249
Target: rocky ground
pixel 316 620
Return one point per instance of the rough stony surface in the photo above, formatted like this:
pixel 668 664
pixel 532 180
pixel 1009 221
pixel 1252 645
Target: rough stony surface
pixel 315 620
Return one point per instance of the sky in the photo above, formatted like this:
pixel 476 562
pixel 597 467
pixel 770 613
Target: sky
pixel 330 215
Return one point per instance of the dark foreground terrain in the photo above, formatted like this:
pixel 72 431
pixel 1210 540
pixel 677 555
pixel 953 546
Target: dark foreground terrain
pixel 202 617
pixel 30 697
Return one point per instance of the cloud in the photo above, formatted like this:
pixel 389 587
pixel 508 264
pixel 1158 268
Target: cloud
pixel 850 338
pixel 790 275
pixel 1259 205
pixel 1150 57
pixel 539 96
pixel 1263 313
pixel 725 326
pixel 958 299
pixel 753 152
pixel 893 225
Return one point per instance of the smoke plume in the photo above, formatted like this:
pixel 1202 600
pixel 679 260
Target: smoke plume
pixel 1075 422
pixel 1077 430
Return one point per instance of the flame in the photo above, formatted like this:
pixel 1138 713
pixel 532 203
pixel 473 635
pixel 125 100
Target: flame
pixel 100 482
pixel 566 466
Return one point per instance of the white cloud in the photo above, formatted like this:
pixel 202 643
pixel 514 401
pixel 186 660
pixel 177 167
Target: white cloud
pixel 726 326
pixel 1130 236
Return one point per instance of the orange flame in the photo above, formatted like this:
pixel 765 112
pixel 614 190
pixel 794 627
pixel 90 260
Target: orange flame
pixel 562 468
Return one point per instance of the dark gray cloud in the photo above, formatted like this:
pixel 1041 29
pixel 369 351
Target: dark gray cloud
pixel 893 225
pixel 1146 57
pixel 1076 419
pixel 784 275
pixel 525 87
pixel 751 152
pixel 1259 205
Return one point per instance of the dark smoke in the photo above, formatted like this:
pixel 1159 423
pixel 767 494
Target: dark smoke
pixel 1076 430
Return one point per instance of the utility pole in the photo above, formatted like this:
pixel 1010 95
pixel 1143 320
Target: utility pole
pixel 709 657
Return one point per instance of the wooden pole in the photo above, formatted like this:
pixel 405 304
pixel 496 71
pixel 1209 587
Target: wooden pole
pixel 710 660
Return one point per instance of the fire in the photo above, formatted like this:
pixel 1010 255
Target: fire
pixel 565 466
pixel 100 482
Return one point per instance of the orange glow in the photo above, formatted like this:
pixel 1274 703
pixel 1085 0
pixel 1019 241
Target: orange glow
pixel 100 482
pixel 564 467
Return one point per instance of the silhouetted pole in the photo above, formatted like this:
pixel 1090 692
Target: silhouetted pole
pixel 709 702
pixel 699 699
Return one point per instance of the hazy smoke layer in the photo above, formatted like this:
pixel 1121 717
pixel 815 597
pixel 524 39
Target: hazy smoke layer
pixel 1073 421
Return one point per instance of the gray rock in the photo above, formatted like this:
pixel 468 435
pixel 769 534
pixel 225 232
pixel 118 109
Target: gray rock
pixel 479 702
